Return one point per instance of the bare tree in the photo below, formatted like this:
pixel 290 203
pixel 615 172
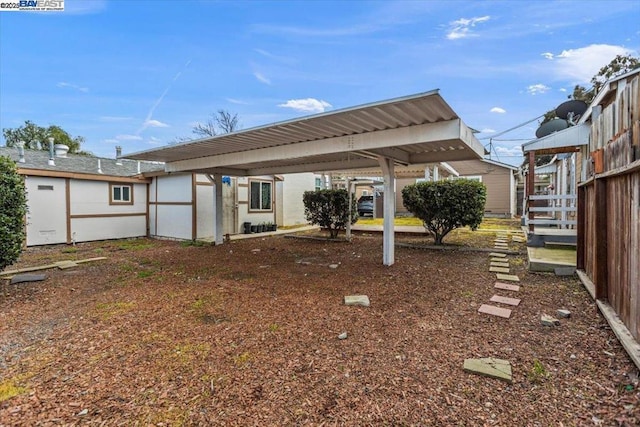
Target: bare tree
pixel 222 122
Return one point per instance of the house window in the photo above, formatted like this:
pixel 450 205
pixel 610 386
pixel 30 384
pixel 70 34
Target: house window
pixel 121 194
pixel 318 184
pixel 472 177
pixel 260 195
pixel 45 187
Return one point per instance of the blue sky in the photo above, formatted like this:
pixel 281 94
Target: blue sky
pixel 140 74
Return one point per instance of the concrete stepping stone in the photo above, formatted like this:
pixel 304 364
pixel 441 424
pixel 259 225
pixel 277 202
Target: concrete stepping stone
pixel 499 264
pixel 500 245
pixel 518 239
pixel 500 241
pixel 506 286
pixel 505 300
pixel 22 278
pixel 498 259
pixel 361 300
pixel 497 255
pixel 495 311
pixel 508 277
pixel 63 265
pixel 489 367
pixel 499 269
pixel 563 313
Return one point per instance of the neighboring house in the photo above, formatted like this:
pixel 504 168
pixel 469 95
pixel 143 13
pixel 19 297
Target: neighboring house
pixel 73 198
pixel 604 146
pixel 500 179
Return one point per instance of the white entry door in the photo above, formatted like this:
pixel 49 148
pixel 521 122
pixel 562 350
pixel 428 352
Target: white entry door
pixel 47 211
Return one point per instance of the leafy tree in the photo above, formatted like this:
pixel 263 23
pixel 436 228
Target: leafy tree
pixel 13 208
pixel 222 122
pixel 329 209
pixel 36 137
pixel 446 205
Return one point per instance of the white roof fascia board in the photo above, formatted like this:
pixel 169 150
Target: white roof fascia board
pixel 544 169
pixel 503 165
pixel 574 136
pixel 449 131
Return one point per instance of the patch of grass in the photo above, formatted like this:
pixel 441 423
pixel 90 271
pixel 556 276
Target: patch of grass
pixel 468 294
pixel 242 359
pixel 196 243
pixel 98 250
pixel 538 372
pixel 70 250
pixel 110 309
pixel 144 273
pixel 9 389
pixel 274 327
pixel 134 245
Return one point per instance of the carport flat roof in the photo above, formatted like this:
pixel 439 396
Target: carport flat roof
pixel 415 129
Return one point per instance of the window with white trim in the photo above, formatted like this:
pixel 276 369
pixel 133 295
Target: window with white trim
pixel 121 194
pixel 260 195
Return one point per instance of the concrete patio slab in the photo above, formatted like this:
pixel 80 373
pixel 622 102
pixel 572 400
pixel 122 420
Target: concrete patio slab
pixel 548 259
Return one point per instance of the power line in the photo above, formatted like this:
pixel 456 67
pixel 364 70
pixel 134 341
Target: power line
pixel 513 128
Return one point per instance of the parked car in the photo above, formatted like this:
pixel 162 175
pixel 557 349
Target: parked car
pixel 365 205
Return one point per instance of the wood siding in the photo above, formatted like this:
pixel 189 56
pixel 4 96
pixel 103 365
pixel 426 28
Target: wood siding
pixel 497 180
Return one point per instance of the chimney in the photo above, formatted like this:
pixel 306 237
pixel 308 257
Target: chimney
pixel 20 146
pixel 51 161
pixel 118 154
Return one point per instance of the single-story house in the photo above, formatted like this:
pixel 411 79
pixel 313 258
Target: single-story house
pixel 76 198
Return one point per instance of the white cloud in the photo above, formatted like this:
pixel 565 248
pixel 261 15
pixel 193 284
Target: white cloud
pixel 155 124
pixel 547 55
pixel 461 28
pixel 129 138
pixel 508 151
pixel 261 78
pixel 537 89
pixel 488 130
pixel 580 65
pixel 72 86
pixel 498 110
pixel 237 101
pixel 114 118
pixel 308 105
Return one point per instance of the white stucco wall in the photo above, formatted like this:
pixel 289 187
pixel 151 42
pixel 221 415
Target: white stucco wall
pixel 293 187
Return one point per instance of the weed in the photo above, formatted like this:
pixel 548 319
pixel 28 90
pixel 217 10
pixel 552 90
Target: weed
pixel 98 250
pixel 196 243
pixel 134 245
pixel 9 389
pixel 71 250
pixel 538 372
pixel 467 294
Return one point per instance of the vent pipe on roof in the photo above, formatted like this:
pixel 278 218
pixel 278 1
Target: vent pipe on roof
pixel 61 150
pixel 138 166
pixel 118 154
pixel 99 166
pixel 20 146
pixel 51 161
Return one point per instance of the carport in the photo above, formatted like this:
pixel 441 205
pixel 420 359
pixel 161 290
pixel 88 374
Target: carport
pixel 415 129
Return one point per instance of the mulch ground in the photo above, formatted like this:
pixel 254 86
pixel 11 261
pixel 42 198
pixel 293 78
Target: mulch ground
pixel 246 333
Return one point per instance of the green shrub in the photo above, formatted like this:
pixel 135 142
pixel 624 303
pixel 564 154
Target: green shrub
pixel 446 205
pixel 329 209
pixel 13 208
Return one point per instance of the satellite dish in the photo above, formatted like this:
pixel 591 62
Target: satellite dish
pixel 551 126
pixel 574 106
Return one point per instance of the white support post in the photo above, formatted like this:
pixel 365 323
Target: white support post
pixel 436 173
pixel 388 236
pixel 349 189
pixel 217 209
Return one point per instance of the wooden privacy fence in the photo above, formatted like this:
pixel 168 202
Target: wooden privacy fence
pixel 609 236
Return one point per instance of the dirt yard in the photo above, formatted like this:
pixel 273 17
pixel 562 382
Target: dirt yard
pixel 246 334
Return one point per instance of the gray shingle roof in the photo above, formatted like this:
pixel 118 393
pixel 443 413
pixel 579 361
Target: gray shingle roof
pixel 39 159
